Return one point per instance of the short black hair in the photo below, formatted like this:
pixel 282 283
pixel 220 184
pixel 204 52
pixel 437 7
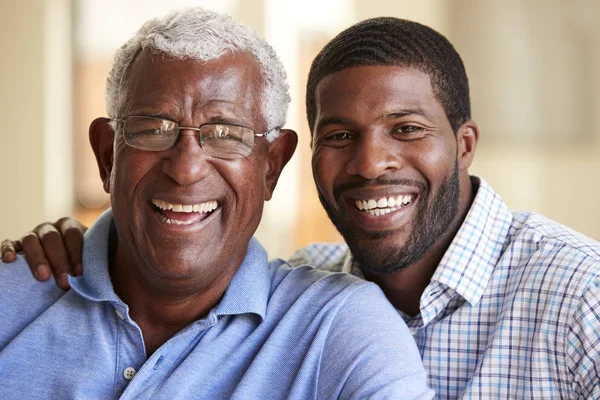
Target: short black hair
pixel 387 41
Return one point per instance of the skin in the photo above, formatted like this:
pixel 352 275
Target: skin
pixel 380 132
pixel 171 275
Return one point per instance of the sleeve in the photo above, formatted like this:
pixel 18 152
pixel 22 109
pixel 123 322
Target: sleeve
pixel 370 347
pixel 583 344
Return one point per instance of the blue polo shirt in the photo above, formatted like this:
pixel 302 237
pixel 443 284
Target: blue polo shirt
pixel 278 333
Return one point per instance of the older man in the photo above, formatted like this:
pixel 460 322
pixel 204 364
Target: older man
pixel 176 299
pixel 501 304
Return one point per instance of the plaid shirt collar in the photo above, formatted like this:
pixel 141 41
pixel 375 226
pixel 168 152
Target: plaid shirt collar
pixel 467 265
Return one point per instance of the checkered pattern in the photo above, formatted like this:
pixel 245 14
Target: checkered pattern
pixel 512 311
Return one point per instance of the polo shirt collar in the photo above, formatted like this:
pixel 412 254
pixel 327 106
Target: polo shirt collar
pixel 95 283
pixel 247 292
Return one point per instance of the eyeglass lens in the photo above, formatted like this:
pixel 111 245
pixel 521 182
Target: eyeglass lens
pixel 217 140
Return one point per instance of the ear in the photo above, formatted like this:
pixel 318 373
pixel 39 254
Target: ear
pixel 280 152
pixel 467 137
pixel 101 139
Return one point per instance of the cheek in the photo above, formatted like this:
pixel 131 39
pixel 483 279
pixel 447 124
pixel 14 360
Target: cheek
pixel 130 169
pixel 247 179
pixel 325 166
pixel 436 160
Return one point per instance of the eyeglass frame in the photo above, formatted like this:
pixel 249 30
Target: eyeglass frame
pixel 191 128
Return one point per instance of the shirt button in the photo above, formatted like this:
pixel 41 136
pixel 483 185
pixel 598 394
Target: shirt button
pixel 129 373
pixel 119 314
pixel 413 331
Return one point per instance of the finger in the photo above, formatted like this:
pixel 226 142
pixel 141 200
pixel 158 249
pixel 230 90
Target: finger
pixel 56 253
pixel 35 257
pixel 9 253
pixel 72 232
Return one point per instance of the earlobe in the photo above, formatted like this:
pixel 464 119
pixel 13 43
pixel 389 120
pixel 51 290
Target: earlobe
pixel 101 138
pixel 467 138
pixel 280 152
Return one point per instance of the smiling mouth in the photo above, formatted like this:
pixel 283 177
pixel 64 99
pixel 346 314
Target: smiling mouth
pixel 183 214
pixel 384 205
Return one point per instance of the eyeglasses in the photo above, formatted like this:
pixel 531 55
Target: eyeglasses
pixel 217 140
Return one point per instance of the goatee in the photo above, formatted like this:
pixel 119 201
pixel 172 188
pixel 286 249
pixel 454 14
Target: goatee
pixel 433 218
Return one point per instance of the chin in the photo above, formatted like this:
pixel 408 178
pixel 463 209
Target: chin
pixel 387 254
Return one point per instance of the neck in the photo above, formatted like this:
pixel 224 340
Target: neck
pixel 405 288
pixel 159 306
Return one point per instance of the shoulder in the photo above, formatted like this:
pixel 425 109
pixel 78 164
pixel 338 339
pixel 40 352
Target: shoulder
pixel 552 257
pixel 554 244
pixel 322 290
pixel 540 229
pixel 365 348
pixel 22 298
pixel 327 256
pixel 17 282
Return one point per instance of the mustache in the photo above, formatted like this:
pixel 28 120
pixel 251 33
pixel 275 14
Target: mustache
pixel 339 189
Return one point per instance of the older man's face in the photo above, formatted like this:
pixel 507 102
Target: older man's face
pixel 145 184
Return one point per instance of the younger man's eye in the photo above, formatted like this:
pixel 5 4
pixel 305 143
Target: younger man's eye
pixel 339 136
pixel 408 132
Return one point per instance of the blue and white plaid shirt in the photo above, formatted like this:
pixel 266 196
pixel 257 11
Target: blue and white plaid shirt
pixel 512 311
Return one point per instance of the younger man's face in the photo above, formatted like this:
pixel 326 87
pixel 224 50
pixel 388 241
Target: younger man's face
pixel 385 163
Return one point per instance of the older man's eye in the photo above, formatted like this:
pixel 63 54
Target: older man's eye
pixel 229 132
pixel 150 132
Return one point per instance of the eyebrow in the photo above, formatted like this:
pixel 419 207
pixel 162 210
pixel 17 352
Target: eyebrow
pixel 404 113
pixel 390 116
pixel 334 121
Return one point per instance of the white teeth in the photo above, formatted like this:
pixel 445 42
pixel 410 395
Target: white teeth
pixel 359 205
pixel 164 219
pixel 384 205
pixel 185 208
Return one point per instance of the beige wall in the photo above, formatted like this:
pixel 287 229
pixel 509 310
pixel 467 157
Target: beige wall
pixel 535 91
pixel 35 156
pixel 22 115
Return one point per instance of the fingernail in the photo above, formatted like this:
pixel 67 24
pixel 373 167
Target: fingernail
pixel 41 272
pixel 63 281
pixel 8 255
pixel 78 270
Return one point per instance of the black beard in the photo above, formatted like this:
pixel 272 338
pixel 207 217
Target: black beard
pixel 433 219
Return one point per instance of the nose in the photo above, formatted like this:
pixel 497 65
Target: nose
pixel 376 153
pixel 186 163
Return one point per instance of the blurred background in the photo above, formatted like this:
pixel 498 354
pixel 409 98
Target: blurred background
pixel 533 68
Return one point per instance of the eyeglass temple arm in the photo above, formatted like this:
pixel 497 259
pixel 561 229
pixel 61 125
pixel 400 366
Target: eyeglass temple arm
pixel 267 133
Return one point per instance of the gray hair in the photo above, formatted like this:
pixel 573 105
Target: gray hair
pixel 199 34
